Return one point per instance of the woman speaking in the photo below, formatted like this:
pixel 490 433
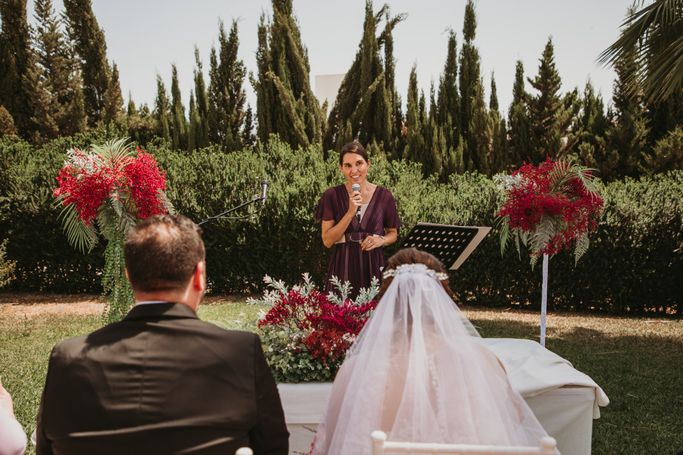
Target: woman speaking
pixel 358 218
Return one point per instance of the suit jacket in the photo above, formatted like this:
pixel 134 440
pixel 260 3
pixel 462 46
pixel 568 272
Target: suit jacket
pixel 160 381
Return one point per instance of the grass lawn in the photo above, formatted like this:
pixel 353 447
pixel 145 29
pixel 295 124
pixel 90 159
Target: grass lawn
pixel 638 362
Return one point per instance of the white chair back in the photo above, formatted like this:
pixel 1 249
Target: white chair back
pixel 244 451
pixel 380 446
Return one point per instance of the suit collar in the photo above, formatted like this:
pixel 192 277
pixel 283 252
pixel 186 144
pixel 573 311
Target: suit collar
pixel 166 310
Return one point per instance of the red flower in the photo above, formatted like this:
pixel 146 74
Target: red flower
pixel 327 329
pixel 87 181
pixel 574 210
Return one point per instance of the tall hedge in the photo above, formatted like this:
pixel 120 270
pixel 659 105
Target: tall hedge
pixel 634 265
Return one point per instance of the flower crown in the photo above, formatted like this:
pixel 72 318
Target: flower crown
pixel 415 268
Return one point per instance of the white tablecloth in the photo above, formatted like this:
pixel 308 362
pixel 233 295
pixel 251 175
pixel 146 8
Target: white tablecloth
pixel 563 399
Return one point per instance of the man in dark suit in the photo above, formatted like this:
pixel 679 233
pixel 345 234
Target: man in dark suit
pixel 161 381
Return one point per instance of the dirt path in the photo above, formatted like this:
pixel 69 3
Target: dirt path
pixel 34 305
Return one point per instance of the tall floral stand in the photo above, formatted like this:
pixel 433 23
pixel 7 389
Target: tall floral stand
pixel 544 299
pixel 549 208
pixel 105 190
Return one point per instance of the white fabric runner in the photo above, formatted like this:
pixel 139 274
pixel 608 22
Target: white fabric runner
pixel 533 369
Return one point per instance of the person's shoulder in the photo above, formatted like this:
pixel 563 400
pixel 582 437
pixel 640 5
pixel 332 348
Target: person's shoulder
pixel 333 190
pixel 233 336
pixel 69 348
pixel 384 191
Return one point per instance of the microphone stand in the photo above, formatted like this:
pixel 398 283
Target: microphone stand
pixel 262 198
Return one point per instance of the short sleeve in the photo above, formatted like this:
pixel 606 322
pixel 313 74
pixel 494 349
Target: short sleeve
pixel 391 219
pixel 325 209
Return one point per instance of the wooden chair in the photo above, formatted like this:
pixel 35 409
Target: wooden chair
pixel 381 446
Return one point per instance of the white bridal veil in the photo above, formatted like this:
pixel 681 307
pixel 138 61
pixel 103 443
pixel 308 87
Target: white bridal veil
pixel 417 373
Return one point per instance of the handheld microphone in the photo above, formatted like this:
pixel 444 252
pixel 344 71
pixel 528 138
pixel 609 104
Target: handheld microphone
pixel 356 187
pixel 264 191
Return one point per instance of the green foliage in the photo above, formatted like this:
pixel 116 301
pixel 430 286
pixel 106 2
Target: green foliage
pixel 667 154
pixel 286 105
pixel 59 74
pixel 162 111
pixel 655 32
pixel 178 126
pixel 91 47
pixel 6 266
pixel 15 63
pixel 367 99
pixel 7 127
pixel 519 138
pixel 549 113
pixel 632 266
pixel 226 95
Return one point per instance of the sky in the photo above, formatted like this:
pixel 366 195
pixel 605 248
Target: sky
pixel 144 37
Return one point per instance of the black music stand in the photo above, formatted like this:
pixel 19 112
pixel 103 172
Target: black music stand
pixel 452 245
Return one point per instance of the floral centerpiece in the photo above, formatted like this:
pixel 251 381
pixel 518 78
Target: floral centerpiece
pixel 549 208
pixel 107 189
pixel 306 333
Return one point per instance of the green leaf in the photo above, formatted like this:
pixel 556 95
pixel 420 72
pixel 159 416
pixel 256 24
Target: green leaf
pixel 504 233
pixel 582 244
pixel 81 236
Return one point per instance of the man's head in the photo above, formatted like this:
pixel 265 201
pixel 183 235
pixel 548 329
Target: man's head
pixel 165 256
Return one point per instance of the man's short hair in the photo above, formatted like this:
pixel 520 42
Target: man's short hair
pixel 162 252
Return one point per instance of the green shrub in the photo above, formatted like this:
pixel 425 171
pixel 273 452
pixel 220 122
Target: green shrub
pixel 634 264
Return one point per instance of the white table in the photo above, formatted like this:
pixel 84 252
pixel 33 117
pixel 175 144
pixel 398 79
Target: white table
pixel 563 399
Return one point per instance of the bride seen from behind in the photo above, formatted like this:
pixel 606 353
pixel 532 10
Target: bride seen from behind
pixel 417 373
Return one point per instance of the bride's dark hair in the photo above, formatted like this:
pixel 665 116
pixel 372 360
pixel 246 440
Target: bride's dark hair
pixel 413 256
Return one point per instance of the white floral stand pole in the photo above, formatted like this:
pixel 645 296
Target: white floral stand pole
pixel 544 298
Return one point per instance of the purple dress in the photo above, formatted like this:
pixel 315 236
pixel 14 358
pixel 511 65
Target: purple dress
pixel 347 261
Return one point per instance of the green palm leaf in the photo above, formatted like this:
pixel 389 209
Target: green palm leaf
pixel 582 244
pixel 654 34
pixel 81 236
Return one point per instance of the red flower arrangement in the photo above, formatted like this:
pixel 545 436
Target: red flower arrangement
pixel 550 207
pixel 109 188
pixel 327 329
pixel 88 180
pixel 307 333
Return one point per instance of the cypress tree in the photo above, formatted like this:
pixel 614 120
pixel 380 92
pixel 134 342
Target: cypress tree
pixel 214 120
pixel 233 72
pixel 261 84
pixel 178 124
pixel 15 64
pixel 519 139
pixel 130 107
pixel 448 104
pixel 226 95
pixel 549 114
pixel 480 154
pixel 202 100
pixel 112 109
pixel 472 107
pixel 7 128
pixel 42 125
pixel 59 71
pixel 396 142
pixel 664 116
pixel 286 105
pixel 497 133
pixel 627 132
pixel 142 125
pixel 248 138
pixel 194 127
pixel 415 148
pixel 367 99
pixel 91 47
pixel 162 111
